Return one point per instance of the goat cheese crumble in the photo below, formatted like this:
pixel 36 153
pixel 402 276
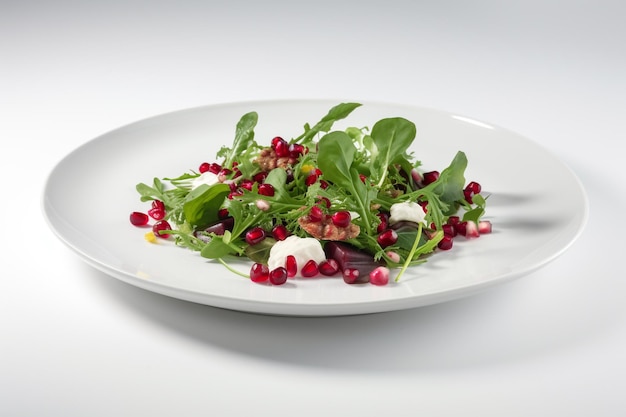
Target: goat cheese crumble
pixel 406 211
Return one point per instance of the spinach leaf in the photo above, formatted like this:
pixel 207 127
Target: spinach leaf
pixel 203 203
pixel 336 153
pixel 449 185
pixel 392 137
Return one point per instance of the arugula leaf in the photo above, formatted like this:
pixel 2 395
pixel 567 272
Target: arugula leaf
pixel 219 246
pixel 148 193
pixel 244 139
pixel 202 204
pixel 340 111
pixel 392 137
pixel 476 213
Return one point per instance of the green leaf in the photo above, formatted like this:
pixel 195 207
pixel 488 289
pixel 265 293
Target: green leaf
pixel 340 111
pixel 261 251
pixel 335 156
pixel 449 185
pixel 278 178
pixel 203 203
pixel 216 248
pixel 474 214
pixel 244 138
pixel 336 153
pixel 407 236
pixel 392 138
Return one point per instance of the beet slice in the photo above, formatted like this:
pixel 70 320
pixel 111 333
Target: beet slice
pixel 350 257
pixel 220 226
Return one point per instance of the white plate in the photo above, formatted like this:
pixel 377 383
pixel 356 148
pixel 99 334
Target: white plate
pixel 537 206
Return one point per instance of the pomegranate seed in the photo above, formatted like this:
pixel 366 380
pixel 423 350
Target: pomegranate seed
pixel 223 213
pixel 328 267
pixel 259 272
pixel 161 225
pixel 310 269
pixel 430 177
pixel 470 190
pixel 461 228
pixel 445 243
pixel 363 178
pixel 262 205
pixel 448 230
pixel 350 275
pixel 280 232
pixel 387 238
pixel 484 226
pixel 384 222
pixel 341 218
pixel 416 176
pixel 291 265
pixel 316 214
pixel 204 167
pixel 139 219
pixel 275 141
pixel 393 256
pixel 324 184
pixel 255 235
pixel 224 172
pixel 474 187
pixel 215 168
pixel 379 276
pixel 471 229
pixel 158 204
pixel 323 200
pixel 247 184
pixel 156 214
pixel 266 189
pixel 234 194
pixel 278 276
pixel 310 180
pixel 260 177
pixel 295 150
pixel 453 220
pixel 282 149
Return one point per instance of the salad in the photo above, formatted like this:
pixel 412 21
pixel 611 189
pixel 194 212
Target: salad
pixel 350 203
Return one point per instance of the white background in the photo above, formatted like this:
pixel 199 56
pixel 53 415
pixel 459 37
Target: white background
pixel 75 342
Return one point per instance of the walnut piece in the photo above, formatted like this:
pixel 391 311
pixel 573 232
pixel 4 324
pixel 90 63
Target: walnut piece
pixel 268 160
pixel 326 229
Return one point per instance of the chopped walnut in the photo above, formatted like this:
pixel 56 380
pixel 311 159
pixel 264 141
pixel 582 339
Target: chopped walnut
pixel 268 160
pixel 326 229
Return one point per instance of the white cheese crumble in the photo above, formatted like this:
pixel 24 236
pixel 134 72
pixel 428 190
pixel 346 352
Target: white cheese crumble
pixel 407 211
pixel 207 178
pixel 302 248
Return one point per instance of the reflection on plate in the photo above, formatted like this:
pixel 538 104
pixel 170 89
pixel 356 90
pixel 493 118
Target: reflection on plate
pixel 537 206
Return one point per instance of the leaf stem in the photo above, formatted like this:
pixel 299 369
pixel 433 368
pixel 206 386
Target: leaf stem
pixel 412 252
pixel 231 269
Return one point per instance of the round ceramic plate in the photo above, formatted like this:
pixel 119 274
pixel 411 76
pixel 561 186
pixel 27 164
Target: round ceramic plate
pixel 536 204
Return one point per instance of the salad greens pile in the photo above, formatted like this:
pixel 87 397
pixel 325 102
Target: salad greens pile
pixel 358 170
